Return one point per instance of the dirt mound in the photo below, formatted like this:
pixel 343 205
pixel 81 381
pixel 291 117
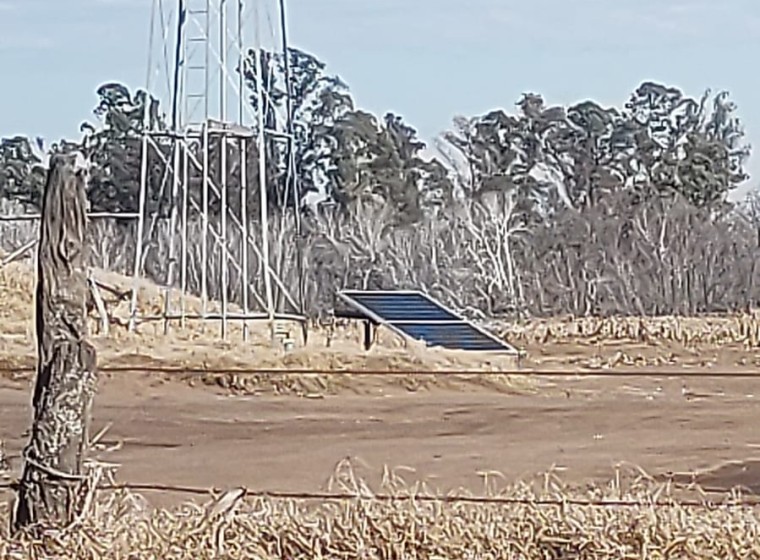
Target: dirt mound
pixel 198 345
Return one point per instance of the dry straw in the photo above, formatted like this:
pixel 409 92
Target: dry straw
pixel 234 526
pixel 714 330
pixel 198 345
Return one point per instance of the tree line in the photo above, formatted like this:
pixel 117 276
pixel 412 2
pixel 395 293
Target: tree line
pixel 534 210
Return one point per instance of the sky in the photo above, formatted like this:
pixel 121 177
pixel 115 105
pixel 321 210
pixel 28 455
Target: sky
pixel 428 60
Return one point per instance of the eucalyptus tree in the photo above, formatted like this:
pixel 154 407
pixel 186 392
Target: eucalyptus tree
pixel 114 145
pixel 22 170
pixel 303 100
pixel 693 147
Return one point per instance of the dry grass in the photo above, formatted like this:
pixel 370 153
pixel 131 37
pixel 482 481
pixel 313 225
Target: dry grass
pixel 728 341
pixel 123 525
pixel 713 330
pixel 198 346
pixel 233 526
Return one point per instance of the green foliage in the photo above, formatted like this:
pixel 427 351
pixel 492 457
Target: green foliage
pixel 315 102
pixel 582 208
pixel 660 143
pixel 115 148
pixel 690 147
pixel 343 152
pixel 22 174
pixel 381 163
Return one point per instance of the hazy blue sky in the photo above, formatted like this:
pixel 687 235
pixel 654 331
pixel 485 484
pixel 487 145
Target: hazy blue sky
pixel 426 59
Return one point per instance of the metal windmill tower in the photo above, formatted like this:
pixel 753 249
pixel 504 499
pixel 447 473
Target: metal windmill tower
pixel 206 237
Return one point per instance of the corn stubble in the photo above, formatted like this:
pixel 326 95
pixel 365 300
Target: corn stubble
pixel 409 522
pixel 715 330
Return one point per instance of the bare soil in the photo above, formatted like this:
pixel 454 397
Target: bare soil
pixel 224 431
pixel 171 433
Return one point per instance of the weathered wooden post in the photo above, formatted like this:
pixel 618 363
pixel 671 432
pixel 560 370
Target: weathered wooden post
pixel 66 362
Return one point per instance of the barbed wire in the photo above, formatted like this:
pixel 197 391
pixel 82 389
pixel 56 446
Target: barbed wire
pixel 447 499
pixel 200 371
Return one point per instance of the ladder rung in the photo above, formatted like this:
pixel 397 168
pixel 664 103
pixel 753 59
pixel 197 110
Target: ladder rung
pixel 195 95
pixel 196 67
pixel 196 39
pixel 197 12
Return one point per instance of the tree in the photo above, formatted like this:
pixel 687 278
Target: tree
pixel 380 162
pixel 115 148
pixel 693 148
pixel 423 180
pixel 22 170
pixel 587 151
pixel 603 198
pixel 542 208
pixel 313 101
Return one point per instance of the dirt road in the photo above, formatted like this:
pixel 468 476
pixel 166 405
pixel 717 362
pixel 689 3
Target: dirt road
pixel 171 433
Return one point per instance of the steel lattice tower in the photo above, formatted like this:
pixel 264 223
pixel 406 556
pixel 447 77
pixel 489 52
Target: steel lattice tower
pixel 198 55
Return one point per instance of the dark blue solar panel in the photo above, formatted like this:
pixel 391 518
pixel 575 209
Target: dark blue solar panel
pixel 401 306
pixel 461 336
pixel 422 318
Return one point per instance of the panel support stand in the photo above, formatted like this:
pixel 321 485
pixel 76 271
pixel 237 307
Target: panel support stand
pixel 369 329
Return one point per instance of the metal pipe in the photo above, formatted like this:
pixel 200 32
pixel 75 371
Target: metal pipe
pixel 204 223
pixel 245 220
pixel 178 48
pixel 140 226
pixel 172 233
pixel 207 61
pixel 204 168
pixel 223 163
pixel 224 240
pixel 292 167
pixel 241 62
pixel 90 216
pixel 137 265
pixel 262 172
pixel 183 235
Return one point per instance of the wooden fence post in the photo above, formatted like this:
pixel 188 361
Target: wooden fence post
pixel 52 477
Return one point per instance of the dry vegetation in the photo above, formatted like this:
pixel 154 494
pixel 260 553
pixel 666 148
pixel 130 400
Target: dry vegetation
pixel 728 340
pixel 716 330
pixel 725 341
pixel 198 346
pixel 617 250
pixel 540 519
pixel 123 525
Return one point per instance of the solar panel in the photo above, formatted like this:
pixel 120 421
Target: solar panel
pixel 418 316
pixel 402 306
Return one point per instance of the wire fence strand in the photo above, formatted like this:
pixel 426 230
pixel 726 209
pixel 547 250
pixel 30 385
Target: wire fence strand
pixel 447 499
pixel 547 373
pixel 327 496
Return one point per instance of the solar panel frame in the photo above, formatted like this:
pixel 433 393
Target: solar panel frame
pixel 351 297
pixel 423 306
